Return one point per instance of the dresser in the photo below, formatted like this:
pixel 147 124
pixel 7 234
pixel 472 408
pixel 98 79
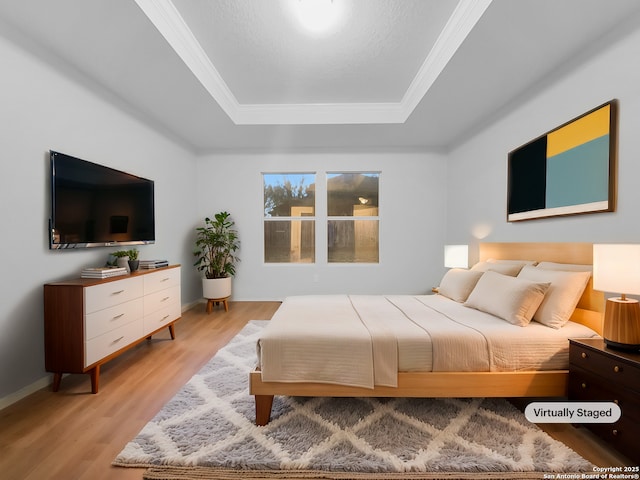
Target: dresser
pixel 88 322
pixel 599 373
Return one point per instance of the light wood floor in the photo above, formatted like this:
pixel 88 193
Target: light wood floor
pixel 73 434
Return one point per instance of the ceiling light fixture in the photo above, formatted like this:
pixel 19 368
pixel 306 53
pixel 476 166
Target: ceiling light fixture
pixel 317 16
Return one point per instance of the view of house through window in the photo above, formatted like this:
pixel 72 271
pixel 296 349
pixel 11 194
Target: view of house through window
pixel 351 216
pixel 289 218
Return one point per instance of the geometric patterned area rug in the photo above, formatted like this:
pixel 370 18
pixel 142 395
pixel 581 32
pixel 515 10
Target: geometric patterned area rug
pixel 207 431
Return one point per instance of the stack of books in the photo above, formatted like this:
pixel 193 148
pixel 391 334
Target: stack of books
pixel 147 264
pixel 103 272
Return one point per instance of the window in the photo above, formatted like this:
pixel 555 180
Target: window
pixel 289 218
pixel 352 217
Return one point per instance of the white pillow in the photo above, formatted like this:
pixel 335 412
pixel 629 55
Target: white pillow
pixel 511 269
pixel 457 283
pixel 512 299
pixel 562 297
pixel 567 267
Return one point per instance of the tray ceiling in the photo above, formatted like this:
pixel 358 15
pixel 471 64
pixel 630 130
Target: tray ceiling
pixel 244 74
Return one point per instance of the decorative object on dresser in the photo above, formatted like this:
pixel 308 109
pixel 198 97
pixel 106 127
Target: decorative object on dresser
pixel 616 268
pixel 598 373
pixel 89 321
pixel 216 244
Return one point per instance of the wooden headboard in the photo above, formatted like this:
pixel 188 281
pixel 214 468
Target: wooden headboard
pixel 591 305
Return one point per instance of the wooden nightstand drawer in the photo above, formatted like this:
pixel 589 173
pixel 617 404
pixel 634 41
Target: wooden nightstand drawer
pixel 584 386
pixel 610 366
pixel 622 435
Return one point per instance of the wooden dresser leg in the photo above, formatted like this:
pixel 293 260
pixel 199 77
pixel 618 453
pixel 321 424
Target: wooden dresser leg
pixel 95 379
pixel 57 378
pixel 263 409
pixel 172 331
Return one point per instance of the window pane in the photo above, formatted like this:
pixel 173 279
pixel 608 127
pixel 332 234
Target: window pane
pixel 289 194
pixel 351 194
pixel 289 241
pixel 353 241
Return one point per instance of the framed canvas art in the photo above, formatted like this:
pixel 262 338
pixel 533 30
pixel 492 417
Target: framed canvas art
pixel 569 170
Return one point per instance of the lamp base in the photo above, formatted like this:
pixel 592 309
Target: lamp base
pixel 622 324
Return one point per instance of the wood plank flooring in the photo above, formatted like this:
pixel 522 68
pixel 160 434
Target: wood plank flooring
pixel 73 434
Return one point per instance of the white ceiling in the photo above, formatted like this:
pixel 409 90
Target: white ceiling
pixel 243 74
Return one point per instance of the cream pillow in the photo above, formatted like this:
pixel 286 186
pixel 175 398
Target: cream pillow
pixel 562 297
pixel 511 269
pixel 512 299
pixel 457 283
pixel 567 267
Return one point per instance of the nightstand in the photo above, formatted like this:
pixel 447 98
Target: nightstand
pixel 599 373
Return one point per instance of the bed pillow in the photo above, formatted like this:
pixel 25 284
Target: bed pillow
pixel 457 283
pixel 512 299
pixel 562 297
pixel 567 267
pixel 511 269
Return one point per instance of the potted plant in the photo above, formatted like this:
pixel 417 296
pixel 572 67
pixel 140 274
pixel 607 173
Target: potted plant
pixel 134 263
pixel 216 246
pixel 122 258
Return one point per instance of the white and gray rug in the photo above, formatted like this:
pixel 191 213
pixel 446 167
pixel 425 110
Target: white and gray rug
pixel 207 431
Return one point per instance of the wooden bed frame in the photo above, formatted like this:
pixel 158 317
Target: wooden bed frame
pixel 550 383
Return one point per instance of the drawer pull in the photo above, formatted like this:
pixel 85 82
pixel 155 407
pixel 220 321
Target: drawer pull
pixel 117 340
pixel 614 432
pixel 118 316
pixel 583 355
pixel 118 292
pixel 584 385
pixel 165 299
pixel 164 279
pixel 164 318
pixel 617 369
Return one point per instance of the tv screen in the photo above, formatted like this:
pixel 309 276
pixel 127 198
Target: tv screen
pixel 93 205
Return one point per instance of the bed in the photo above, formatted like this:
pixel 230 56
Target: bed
pixel 405 371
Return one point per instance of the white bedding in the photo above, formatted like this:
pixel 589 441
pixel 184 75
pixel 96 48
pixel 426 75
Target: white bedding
pixel 364 340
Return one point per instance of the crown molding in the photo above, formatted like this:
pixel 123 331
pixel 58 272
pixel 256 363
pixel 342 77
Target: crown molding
pixel 168 21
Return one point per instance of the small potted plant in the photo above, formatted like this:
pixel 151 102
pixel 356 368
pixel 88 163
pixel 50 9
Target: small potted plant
pixel 216 246
pixel 134 263
pixel 122 258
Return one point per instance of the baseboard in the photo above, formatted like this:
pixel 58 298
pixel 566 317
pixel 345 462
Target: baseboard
pixel 25 392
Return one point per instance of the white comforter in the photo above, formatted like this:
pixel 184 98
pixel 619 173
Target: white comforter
pixel 364 340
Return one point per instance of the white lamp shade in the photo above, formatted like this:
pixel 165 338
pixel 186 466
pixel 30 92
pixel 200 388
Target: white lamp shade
pixel 456 256
pixel 616 268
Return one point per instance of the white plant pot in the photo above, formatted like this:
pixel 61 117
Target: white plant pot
pixel 123 262
pixel 216 287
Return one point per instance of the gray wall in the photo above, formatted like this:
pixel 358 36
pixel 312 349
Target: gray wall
pixel 412 216
pixel 477 174
pixel 42 109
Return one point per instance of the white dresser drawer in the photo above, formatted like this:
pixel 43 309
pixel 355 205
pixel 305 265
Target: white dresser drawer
pixel 157 300
pixel 109 294
pixel 104 345
pixel 110 318
pixel 160 318
pixel 161 279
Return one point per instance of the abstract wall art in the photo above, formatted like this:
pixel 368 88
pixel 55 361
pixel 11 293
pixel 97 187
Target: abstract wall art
pixel 566 171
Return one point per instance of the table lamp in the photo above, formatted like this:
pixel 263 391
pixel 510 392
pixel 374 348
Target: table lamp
pixel 616 268
pixel 456 256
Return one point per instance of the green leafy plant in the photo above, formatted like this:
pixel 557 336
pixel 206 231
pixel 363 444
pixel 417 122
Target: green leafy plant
pixel 133 254
pixel 121 253
pixel 216 244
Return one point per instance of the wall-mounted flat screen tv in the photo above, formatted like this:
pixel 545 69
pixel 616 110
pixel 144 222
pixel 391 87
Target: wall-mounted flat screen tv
pixel 94 206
